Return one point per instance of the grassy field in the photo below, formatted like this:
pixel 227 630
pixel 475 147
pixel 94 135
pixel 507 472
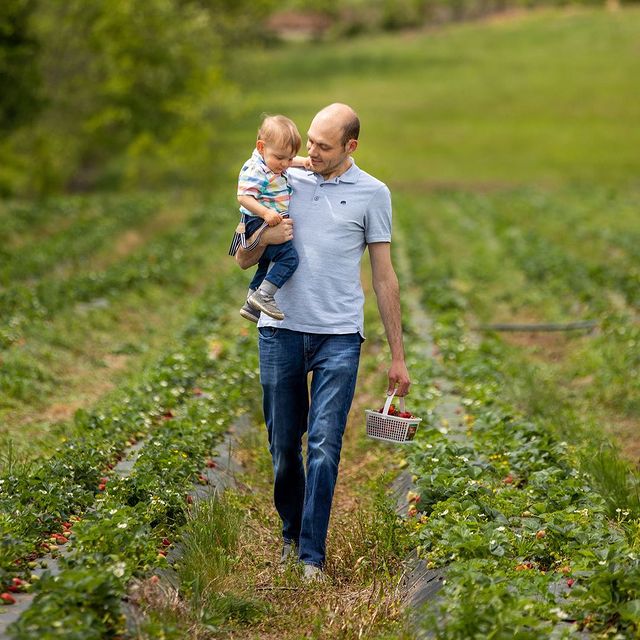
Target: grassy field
pixel 544 98
pixel 511 149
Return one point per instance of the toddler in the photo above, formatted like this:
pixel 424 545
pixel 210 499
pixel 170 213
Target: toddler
pixel 263 194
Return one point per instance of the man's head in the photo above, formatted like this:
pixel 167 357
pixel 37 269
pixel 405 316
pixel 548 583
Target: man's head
pixel 332 138
pixel 278 142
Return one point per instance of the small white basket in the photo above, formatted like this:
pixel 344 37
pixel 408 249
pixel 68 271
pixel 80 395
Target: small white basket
pixel 382 426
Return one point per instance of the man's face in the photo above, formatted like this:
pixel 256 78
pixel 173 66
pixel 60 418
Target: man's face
pixel 325 147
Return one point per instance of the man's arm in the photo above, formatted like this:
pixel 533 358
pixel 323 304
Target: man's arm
pixel 387 290
pixel 271 235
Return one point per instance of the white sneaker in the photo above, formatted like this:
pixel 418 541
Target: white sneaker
pixel 266 303
pixel 313 573
pixel 249 312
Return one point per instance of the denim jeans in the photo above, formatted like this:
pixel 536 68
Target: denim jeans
pixel 303 501
pixel 284 257
pixel 285 261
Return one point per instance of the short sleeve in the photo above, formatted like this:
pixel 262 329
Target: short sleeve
pixel 252 180
pixel 378 217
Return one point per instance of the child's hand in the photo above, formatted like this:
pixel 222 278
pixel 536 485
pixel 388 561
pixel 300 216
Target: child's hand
pixel 272 218
pixel 307 163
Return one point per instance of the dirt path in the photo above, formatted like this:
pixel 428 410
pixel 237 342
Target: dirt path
pixel 358 599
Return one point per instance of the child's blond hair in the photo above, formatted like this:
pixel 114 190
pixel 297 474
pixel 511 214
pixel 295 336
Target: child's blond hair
pixel 280 131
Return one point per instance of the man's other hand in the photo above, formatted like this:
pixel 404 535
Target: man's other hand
pixel 398 379
pixel 278 234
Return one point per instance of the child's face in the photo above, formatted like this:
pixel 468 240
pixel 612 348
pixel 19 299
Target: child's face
pixel 276 158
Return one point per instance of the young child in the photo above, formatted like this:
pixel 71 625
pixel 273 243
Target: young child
pixel 263 194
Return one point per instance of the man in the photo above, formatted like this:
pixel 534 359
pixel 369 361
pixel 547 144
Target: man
pixel 338 210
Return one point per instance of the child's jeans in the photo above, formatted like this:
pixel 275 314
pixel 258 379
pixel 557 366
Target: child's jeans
pixel 283 256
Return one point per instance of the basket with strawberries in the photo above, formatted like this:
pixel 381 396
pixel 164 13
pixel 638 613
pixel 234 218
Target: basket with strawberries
pixel 392 423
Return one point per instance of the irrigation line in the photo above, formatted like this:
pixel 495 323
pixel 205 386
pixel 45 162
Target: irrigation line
pixel 544 326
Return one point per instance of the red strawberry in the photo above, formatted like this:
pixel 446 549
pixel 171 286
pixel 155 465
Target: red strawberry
pixel 212 464
pixel 570 582
pixel 7 598
pixel 102 486
pixel 166 542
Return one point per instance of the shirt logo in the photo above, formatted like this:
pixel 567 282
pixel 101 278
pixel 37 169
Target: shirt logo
pixel 343 202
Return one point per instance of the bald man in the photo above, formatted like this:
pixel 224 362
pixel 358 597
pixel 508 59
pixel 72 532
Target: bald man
pixel 337 211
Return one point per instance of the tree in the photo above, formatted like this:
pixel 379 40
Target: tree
pixel 20 95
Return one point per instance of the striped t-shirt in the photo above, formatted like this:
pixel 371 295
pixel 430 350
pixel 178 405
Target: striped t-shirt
pixel 257 180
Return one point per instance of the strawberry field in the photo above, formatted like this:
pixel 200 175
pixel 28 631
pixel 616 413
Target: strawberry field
pixel 129 390
pixel 522 496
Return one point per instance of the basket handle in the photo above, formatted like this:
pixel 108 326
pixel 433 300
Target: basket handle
pixel 388 401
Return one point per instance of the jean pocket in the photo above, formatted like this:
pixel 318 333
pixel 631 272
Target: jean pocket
pixel 267 332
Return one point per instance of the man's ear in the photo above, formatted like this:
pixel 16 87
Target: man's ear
pixel 352 145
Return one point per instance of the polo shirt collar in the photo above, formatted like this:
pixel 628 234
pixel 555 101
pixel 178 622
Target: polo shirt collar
pixel 350 176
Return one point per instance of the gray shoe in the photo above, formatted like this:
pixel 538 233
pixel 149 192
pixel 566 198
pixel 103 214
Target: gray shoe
pixel 313 573
pixel 288 551
pixel 249 312
pixel 265 303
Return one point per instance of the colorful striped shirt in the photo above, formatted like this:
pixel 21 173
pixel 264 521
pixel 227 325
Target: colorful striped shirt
pixel 257 180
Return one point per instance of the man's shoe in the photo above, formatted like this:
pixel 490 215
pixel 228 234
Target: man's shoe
pixel 313 573
pixel 249 312
pixel 288 551
pixel 266 303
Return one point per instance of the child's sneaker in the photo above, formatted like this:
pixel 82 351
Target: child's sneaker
pixel 249 312
pixel 266 303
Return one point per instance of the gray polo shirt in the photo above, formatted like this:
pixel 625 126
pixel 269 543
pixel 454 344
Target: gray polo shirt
pixel 334 220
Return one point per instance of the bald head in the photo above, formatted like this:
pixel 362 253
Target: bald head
pixel 341 116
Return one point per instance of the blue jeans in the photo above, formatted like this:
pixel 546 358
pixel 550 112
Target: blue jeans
pixel 303 501
pixel 284 257
pixel 285 261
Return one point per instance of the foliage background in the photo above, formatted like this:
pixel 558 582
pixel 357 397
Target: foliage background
pixel 122 94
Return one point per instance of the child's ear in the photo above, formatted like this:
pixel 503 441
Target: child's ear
pixel 260 146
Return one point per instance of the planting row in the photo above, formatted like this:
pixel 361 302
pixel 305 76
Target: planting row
pixel 36 501
pixel 161 261
pixel 135 520
pixel 527 256
pixel 64 233
pixel 532 548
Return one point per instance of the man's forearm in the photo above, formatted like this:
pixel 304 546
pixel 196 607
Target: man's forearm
pixel 246 259
pixel 271 235
pixel 385 284
pixel 388 298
